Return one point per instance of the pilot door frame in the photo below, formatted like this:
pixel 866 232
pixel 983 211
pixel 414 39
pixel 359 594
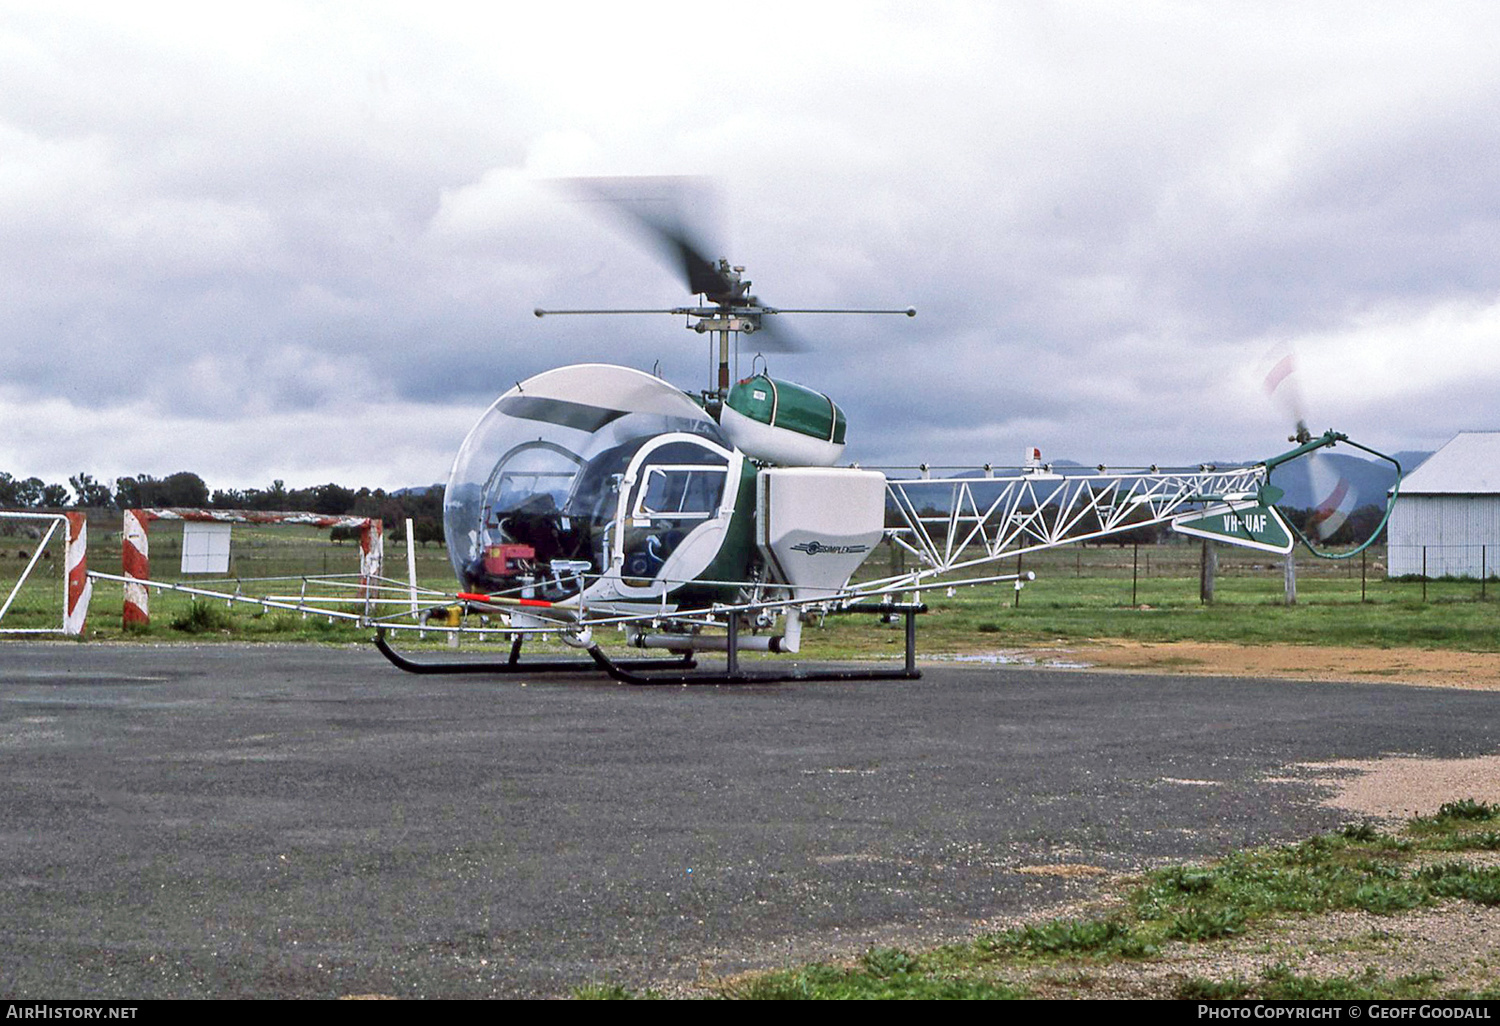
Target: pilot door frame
pixel 631 515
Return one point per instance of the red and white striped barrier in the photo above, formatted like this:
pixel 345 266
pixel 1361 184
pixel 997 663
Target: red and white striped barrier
pixel 135 559
pixel 80 588
pixel 136 550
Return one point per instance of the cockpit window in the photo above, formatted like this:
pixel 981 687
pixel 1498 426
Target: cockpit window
pixel 533 475
pixel 677 492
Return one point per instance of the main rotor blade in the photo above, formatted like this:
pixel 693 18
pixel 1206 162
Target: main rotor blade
pixel 775 337
pixel 540 312
pixel 655 205
pixel 781 339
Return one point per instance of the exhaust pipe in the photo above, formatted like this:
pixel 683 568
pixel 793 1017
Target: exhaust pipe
pixel 788 643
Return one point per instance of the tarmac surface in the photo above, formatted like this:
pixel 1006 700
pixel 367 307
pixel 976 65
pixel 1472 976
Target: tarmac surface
pixel 288 821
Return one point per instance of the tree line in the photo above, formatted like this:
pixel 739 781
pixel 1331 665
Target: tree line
pixel 186 489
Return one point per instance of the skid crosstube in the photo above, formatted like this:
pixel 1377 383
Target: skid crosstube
pixel 627 671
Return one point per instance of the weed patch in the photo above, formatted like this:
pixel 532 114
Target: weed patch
pixel 825 982
pixel 602 992
pixel 1069 937
pixel 1202 924
pixel 1200 989
pixel 203 617
pixel 1458 880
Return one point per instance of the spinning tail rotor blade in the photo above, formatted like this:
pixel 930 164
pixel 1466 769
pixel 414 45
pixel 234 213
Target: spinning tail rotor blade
pixel 1281 386
pixel 1333 494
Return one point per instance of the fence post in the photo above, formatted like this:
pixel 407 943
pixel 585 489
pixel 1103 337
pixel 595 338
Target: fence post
pixel 1362 574
pixel 1483 570
pixel 1289 578
pixel 1135 562
pixel 1424 573
pixel 1206 570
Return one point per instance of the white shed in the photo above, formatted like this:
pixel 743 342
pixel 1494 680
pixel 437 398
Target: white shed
pixel 1448 512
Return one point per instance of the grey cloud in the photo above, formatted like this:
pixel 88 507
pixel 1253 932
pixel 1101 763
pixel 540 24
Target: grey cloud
pixel 1102 214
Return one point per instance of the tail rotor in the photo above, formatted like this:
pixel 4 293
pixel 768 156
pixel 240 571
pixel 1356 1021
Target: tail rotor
pixel 1333 494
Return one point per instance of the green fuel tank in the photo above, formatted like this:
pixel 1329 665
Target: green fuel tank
pixel 783 422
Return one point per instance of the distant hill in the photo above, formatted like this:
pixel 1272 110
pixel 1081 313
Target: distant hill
pixel 1370 479
pixel 1410 460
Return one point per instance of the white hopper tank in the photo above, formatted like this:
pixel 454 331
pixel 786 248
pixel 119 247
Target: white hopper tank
pixel 816 525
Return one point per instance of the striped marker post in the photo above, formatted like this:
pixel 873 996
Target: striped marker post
pixel 135 558
pixel 80 588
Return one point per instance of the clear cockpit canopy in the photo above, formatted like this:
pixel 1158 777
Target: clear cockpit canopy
pixel 536 484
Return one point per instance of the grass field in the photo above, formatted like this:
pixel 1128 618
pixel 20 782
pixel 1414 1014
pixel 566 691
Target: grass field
pixel 1150 593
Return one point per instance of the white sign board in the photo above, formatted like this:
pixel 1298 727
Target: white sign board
pixel 205 548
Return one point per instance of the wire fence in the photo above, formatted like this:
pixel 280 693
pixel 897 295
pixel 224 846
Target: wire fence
pixel 1425 565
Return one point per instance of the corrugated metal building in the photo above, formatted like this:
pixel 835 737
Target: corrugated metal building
pixel 1449 511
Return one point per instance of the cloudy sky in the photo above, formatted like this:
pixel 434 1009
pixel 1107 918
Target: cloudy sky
pixel 303 241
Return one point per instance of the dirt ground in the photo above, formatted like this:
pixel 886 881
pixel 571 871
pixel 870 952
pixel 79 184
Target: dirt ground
pixel 1475 670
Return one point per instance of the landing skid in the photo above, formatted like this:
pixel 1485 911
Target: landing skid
pixel 626 670
pixel 514 664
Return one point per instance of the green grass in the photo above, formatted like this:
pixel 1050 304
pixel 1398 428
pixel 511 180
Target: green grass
pixel 832 983
pixel 1248 610
pixel 1247 895
pixel 1069 937
pixel 608 992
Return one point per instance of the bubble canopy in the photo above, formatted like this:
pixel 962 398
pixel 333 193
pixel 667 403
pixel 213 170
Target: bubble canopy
pixel 542 470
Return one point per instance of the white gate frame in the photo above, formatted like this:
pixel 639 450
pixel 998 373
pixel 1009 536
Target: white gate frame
pixel 77 588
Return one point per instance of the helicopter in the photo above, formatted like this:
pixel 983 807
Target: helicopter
pixel 594 496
